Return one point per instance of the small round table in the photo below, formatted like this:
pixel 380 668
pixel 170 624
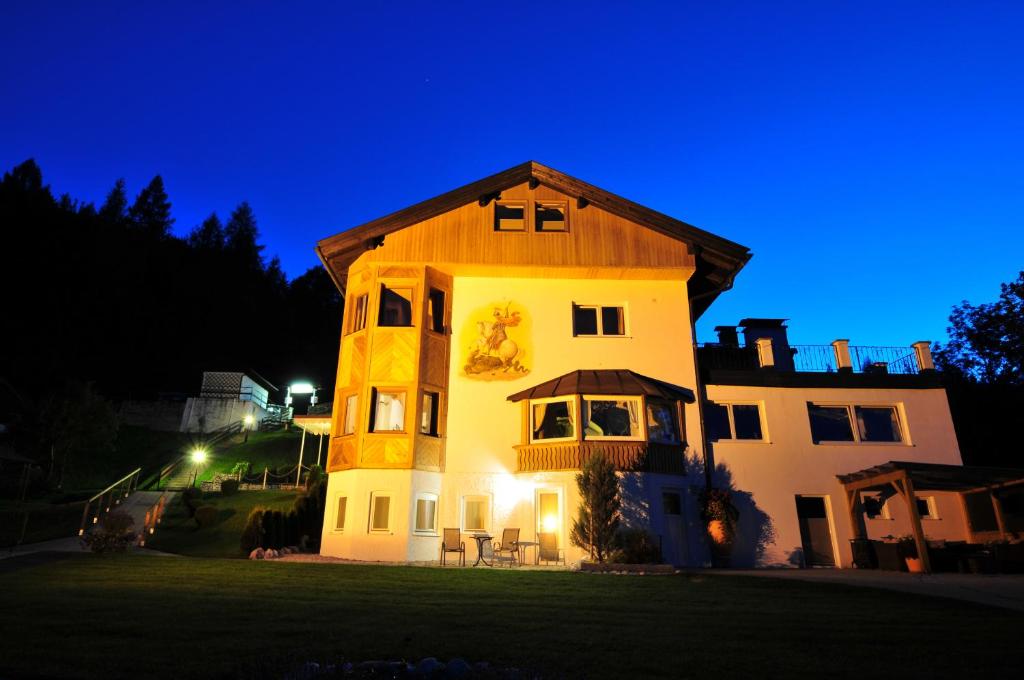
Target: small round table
pixel 523 545
pixel 480 540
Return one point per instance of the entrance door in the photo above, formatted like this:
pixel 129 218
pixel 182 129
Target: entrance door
pixel 673 547
pixel 815 532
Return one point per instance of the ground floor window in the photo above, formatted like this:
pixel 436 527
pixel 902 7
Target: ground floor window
pixel 476 511
pixel 380 511
pixel 926 507
pixel 426 513
pixel 339 519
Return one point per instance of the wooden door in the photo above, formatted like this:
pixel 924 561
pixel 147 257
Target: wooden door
pixel 815 531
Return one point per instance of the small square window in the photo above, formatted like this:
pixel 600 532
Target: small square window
pixel 380 512
pixel 510 216
pixel 339 519
pixel 428 413
pixel 550 215
pixel 351 414
pixel 926 507
pixel 426 514
pixel 612 321
pixel 716 421
pixel 395 307
pixel 584 320
pixel 476 512
pixel 388 411
pixel 358 322
pixel 747 421
pixel 436 310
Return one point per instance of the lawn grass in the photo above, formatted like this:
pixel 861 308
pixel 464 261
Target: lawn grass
pixel 179 534
pixel 134 447
pixel 274 450
pixel 37 520
pixel 145 616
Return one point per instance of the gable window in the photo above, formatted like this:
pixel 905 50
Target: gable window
pixel 550 216
pixel 395 307
pixel 598 320
pixel 359 304
pixel 733 421
pixel 388 411
pixel 435 310
pixel 510 216
pixel 863 424
pixel 926 507
pixel 351 414
pixel 380 511
pixel 428 413
pixel 476 513
pixel 552 419
pixel 611 418
pixel 426 513
pixel 661 422
pixel 339 518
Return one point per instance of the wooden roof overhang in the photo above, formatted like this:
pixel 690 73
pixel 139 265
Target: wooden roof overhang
pixel 933 477
pixel 718 260
pixel 615 382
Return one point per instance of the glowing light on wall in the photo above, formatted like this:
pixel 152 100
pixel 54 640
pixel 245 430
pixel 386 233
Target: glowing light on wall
pixel 549 524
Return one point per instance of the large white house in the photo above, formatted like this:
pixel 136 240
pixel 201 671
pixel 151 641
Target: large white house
pixel 497 335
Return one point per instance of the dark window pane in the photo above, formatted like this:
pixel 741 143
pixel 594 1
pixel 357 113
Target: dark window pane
pixel 873 506
pixel 980 513
pixel 612 321
pixel 509 217
pixel 747 419
pixel 661 423
pixel 716 420
pixel 436 310
pixel 810 507
pixel 671 503
pixel 878 424
pixel 395 307
pixel 552 420
pixel 549 216
pixel 830 423
pixel 428 413
pixel 359 314
pixel 922 507
pixel 584 320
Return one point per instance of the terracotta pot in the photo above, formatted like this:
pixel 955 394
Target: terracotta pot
pixel 718 533
pixel 915 565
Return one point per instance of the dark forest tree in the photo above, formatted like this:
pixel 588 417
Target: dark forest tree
pixel 151 211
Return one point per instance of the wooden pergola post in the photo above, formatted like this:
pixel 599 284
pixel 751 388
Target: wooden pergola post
pixel 997 507
pixel 905 488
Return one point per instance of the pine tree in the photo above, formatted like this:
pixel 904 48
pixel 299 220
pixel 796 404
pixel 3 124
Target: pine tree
pixel 241 236
pixel 115 207
pixel 209 235
pixel 151 211
pixel 598 519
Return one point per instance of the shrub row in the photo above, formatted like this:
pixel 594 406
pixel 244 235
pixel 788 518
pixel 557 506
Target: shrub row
pixel 300 526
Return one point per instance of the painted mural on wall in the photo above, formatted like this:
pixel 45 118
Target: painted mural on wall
pixel 496 342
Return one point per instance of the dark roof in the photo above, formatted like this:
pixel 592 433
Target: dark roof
pixel 605 381
pixel 718 259
pixel 937 477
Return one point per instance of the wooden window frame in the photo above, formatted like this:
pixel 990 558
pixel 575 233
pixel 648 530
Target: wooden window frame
pixel 518 202
pixel 355 318
pixel 344 515
pixel 573 414
pixel 345 413
pixel 425 496
pixel 435 414
pixel 540 203
pixel 641 436
pixel 374 495
pixel 374 396
pixel 431 320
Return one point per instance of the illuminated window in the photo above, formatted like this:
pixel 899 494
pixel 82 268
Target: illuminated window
pixel 605 418
pixel 436 310
pixel 733 421
pixel 428 413
pixel 395 307
pixel 339 518
pixel 426 513
pixel 358 313
pixel 388 411
pixel 351 414
pixel 661 422
pixel 380 511
pixel 476 512
pixel 548 515
pixel 552 419
pixel 598 320
pixel 510 216
pixel 550 215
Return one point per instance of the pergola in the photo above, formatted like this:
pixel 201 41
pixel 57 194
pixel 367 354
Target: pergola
pixel 318 425
pixel 907 478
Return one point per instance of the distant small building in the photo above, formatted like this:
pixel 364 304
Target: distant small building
pixel 228 397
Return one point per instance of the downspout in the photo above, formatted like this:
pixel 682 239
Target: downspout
pixel 709 462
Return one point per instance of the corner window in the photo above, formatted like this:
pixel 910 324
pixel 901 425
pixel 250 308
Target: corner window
pixel 926 507
pixel 351 414
pixel 395 307
pixel 862 424
pixel 388 411
pixel 733 421
pixel 476 512
pixel 426 513
pixel 339 518
pixel 552 420
pixel 661 422
pixel 428 413
pixel 510 216
pixel 598 320
pixel 611 418
pixel 358 322
pixel 435 310
pixel 380 511
pixel 550 216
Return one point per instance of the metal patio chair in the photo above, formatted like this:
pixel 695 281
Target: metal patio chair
pixel 549 550
pixel 452 542
pixel 509 544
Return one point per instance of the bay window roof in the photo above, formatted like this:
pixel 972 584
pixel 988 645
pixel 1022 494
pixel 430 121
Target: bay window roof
pixel 605 381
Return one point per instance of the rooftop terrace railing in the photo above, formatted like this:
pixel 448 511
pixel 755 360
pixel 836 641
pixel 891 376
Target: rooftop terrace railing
pixel 813 358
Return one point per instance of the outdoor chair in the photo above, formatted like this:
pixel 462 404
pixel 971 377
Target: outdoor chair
pixel 452 542
pixel 549 550
pixel 509 544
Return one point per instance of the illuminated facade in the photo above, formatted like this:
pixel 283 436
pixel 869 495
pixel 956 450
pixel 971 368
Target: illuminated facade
pixel 496 336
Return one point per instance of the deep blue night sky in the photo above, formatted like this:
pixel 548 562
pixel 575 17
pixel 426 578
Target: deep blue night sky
pixel 870 154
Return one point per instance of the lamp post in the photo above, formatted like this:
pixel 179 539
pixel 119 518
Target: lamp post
pixel 247 422
pixel 198 456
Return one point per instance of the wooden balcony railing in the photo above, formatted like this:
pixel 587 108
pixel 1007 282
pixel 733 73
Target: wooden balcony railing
pixel 627 456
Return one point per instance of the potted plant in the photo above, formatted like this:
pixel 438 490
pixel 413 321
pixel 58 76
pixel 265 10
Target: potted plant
pixel 908 549
pixel 719 515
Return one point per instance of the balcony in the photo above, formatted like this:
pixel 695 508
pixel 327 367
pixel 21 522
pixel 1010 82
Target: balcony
pixel 835 358
pixel 627 456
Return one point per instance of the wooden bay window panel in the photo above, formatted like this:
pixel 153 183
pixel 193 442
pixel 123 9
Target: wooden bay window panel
pixel 395 307
pixel 611 417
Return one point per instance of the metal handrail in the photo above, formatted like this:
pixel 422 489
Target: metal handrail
pixel 126 485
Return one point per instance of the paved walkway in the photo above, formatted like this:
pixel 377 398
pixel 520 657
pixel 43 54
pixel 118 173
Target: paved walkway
pixel 998 590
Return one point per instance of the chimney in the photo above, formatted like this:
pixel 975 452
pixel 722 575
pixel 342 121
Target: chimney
pixel 728 336
pixel 774 330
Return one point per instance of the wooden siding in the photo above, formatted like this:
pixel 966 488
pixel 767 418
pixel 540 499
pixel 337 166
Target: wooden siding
pixel 626 456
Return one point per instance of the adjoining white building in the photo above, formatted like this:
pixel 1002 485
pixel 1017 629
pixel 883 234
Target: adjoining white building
pixel 228 397
pixel 496 336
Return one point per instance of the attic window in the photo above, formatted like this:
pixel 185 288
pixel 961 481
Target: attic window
pixel 550 215
pixel 510 216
